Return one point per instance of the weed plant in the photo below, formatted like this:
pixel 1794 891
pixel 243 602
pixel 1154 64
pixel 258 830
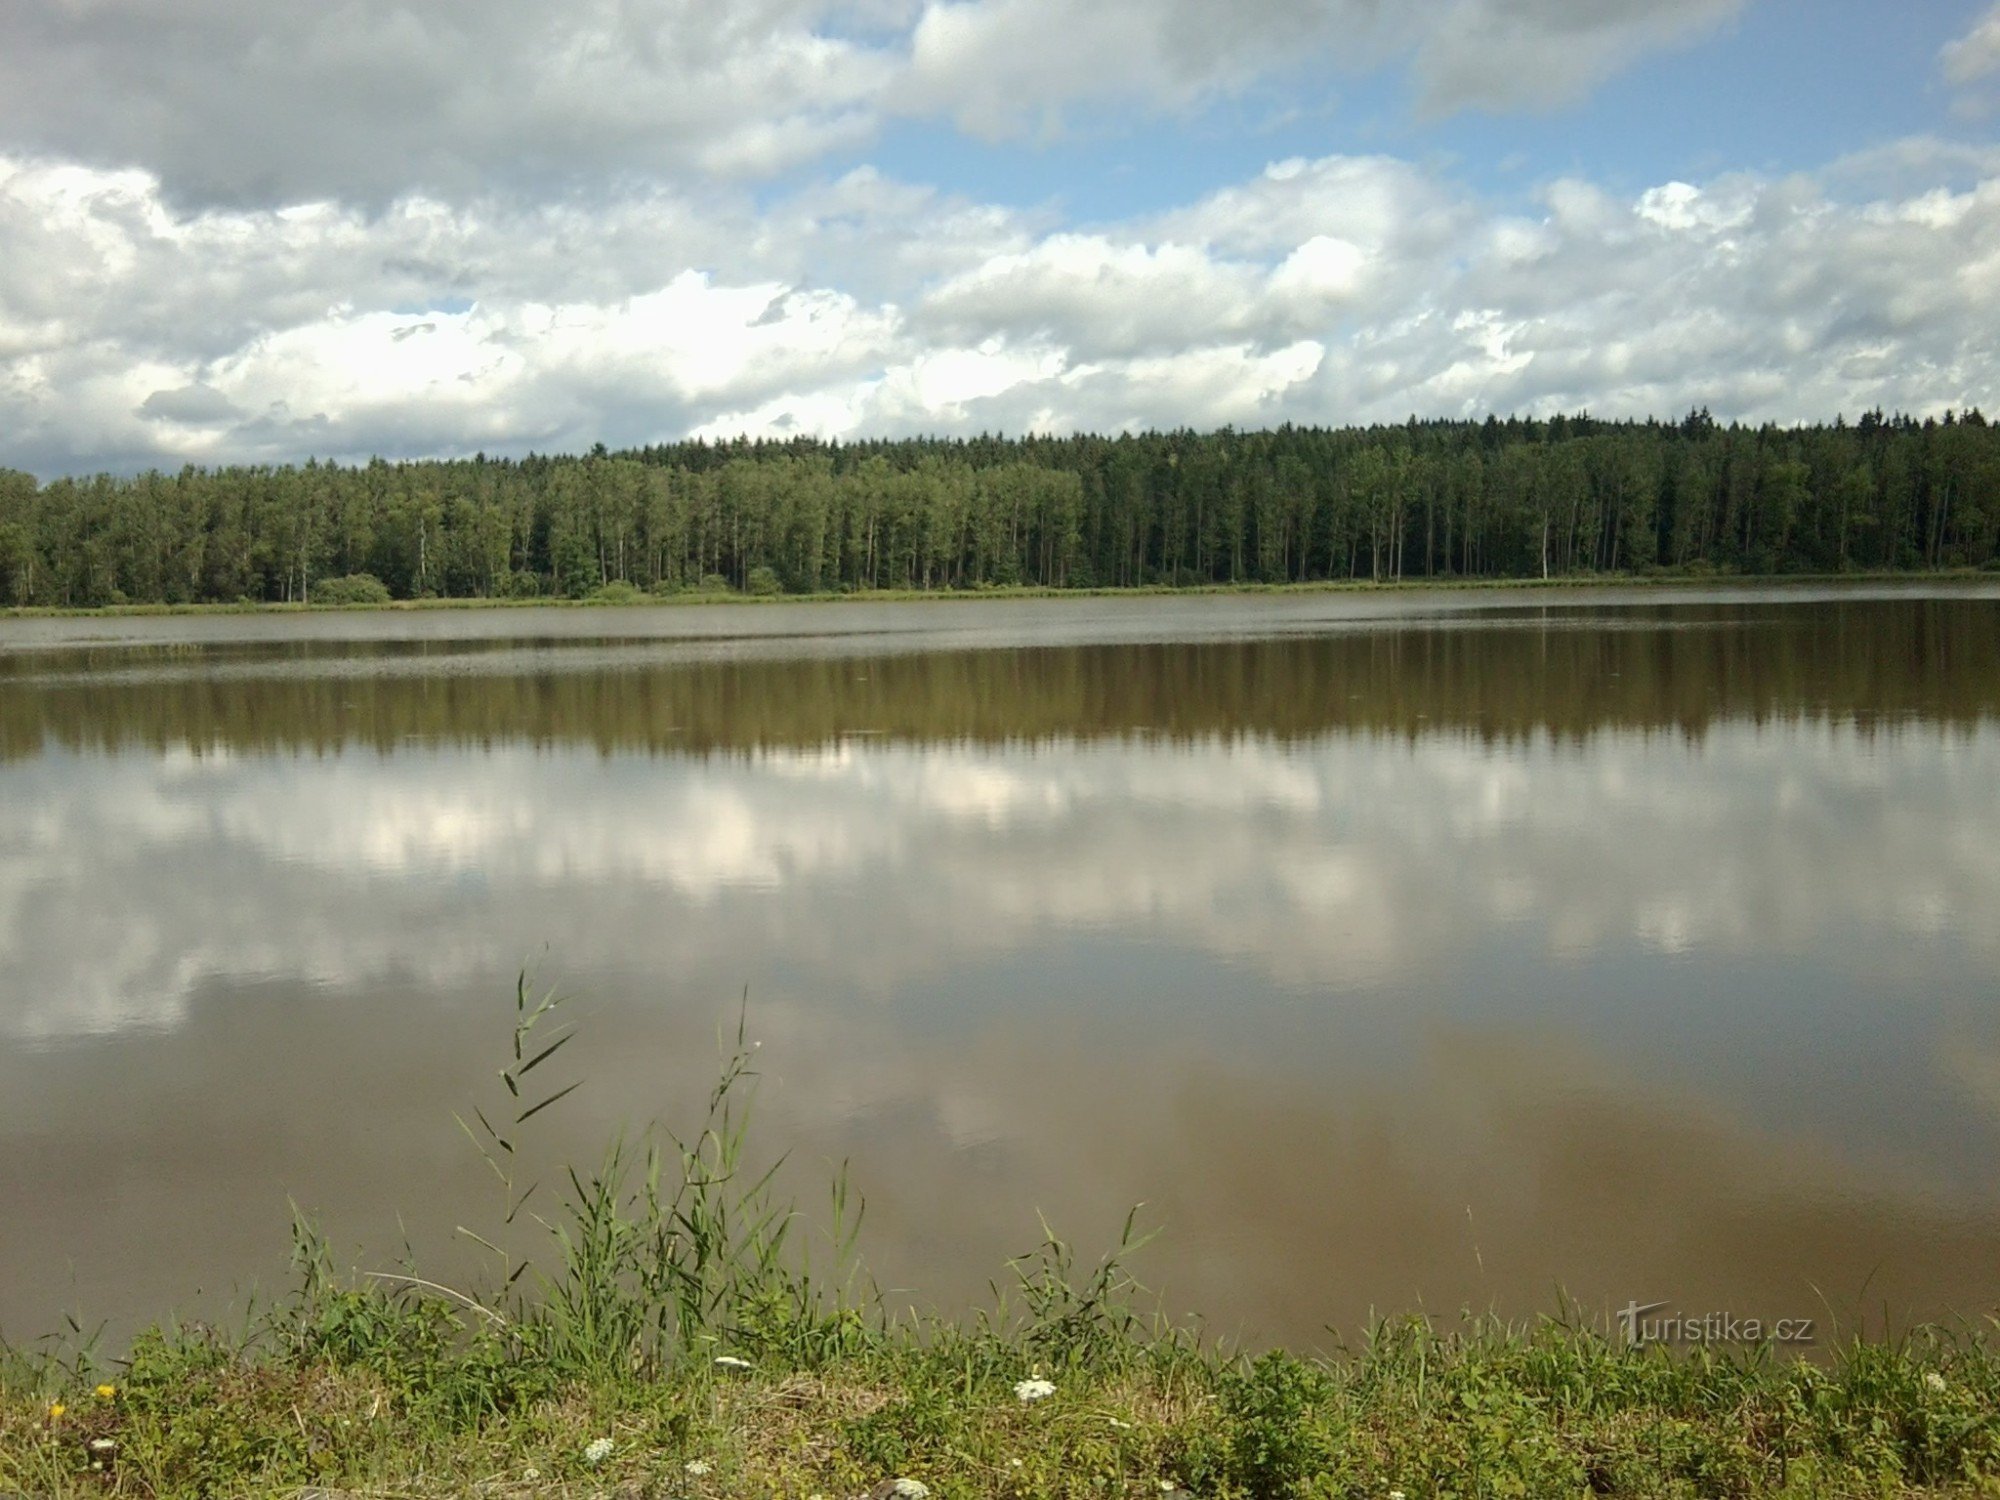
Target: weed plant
pixel 682 1334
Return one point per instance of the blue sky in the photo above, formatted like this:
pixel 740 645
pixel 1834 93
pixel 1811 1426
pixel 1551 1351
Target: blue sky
pixel 1783 86
pixel 234 232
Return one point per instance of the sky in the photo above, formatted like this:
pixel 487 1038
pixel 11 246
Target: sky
pixel 237 231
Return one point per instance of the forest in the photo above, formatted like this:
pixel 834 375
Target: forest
pixel 1556 498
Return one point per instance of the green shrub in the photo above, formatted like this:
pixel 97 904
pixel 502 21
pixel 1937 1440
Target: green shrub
pixel 618 591
pixel 353 588
pixel 904 1434
pixel 764 581
pixel 1282 1435
pixel 519 584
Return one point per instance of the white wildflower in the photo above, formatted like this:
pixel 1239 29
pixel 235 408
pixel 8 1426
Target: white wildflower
pixel 598 1451
pixel 697 1467
pixel 911 1489
pixel 1933 1380
pixel 1034 1390
pixel 731 1362
pixel 1395 1495
pixel 531 1475
pixel 101 1445
pixel 1167 1486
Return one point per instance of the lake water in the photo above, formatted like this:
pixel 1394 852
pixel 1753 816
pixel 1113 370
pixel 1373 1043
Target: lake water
pixel 1396 951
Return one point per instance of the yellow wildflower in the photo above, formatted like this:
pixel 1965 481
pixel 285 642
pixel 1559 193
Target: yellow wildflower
pixel 56 1409
pixel 106 1392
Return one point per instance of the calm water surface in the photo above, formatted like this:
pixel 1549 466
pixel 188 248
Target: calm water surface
pixel 1396 951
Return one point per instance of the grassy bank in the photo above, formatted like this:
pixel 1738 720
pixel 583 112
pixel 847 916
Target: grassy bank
pixel 681 1333
pixel 377 1394
pixel 618 598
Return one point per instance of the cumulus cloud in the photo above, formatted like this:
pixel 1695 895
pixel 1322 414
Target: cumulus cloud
pixel 1006 67
pixel 1762 297
pixel 1975 55
pixel 1340 289
pixel 241 103
pixel 1115 296
pixel 194 405
pixel 1971 64
pixel 1541 53
pixel 866 299
pixel 231 233
pixel 1320 866
pixel 131 332
pixel 1011 67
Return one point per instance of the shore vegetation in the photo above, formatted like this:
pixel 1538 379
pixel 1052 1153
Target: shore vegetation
pixel 1563 498
pixel 682 1330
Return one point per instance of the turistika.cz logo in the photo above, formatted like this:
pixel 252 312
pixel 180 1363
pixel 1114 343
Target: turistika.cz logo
pixel 1706 1328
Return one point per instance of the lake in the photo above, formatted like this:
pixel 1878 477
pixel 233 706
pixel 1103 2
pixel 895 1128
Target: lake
pixel 1408 950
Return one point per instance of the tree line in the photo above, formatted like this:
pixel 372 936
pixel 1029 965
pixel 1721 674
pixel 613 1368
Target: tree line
pixel 1562 497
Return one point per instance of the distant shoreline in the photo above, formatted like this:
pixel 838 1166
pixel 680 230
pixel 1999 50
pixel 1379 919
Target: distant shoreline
pixel 641 600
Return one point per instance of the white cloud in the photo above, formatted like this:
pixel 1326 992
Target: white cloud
pixel 240 102
pixel 1111 296
pixel 1975 55
pixel 1003 68
pixel 1541 53
pixel 463 224
pixel 1334 290
pixel 1347 930
pixel 1006 67
pixel 1971 65
pixel 1319 864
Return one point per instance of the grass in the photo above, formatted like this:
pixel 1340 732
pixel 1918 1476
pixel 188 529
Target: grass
pixel 613 596
pixel 679 1336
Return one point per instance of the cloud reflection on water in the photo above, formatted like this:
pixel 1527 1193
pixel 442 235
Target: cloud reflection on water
pixel 1346 862
pixel 1371 1009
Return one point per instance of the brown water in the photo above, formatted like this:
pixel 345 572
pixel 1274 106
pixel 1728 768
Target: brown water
pixel 1395 950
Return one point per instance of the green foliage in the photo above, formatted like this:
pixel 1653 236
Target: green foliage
pixel 1061 1321
pixel 517 584
pixel 436 1351
pixel 197 1417
pixel 389 1399
pixel 1281 1433
pixel 907 1433
pixel 673 1248
pixel 352 588
pixel 676 1249
pixel 1567 497
pixel 618 591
